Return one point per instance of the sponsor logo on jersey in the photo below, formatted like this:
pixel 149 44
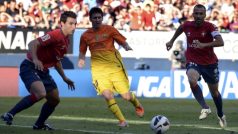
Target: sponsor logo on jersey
pixel 45 37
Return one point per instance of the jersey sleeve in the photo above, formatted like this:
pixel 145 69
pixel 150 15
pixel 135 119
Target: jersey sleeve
pixel 184 25
pixel 48 39
pixel 82 45
pixel 117 36
pixel 214 30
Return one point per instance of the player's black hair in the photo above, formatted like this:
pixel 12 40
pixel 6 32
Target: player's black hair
pixel 199 6
pixel 67 14
pixel 95 10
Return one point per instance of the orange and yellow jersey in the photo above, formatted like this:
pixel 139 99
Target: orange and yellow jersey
pixel 104 56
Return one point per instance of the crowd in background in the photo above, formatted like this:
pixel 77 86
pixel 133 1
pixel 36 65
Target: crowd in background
pixel 128 15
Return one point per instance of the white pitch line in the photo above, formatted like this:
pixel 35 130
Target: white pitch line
pixel 234 129
pixel 72 130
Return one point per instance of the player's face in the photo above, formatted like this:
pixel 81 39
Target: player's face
pixel 199 15
pixel 69 26
pixel 96 20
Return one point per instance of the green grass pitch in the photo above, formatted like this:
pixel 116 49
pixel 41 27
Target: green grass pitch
pixel 91 116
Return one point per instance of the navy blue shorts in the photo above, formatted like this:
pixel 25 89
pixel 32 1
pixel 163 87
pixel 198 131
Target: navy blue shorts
pixel 29 75
pixel 210 73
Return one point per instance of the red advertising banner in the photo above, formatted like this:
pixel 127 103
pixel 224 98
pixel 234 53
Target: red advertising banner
pixel 8 81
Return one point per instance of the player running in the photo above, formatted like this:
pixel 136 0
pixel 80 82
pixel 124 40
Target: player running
pixel 202 36
pixel 108 72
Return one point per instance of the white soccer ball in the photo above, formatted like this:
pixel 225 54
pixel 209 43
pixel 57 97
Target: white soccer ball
pixel 159 124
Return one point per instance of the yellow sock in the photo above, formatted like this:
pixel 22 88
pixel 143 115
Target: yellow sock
pixel 112 105
pixel 134 100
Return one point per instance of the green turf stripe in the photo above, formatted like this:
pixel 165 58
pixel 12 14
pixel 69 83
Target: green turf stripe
pixel 234 129
pixel 72 130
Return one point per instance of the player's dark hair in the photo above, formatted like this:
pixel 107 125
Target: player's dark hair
pixel 66 14
pixel 95 10
pixel 199 6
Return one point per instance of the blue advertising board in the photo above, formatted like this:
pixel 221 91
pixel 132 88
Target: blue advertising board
pixel 148 84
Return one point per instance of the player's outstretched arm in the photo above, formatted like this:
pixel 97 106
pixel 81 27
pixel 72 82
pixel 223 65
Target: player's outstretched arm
pixel 81 61
pixel 126 46
pixel 60 70
pixel 169 44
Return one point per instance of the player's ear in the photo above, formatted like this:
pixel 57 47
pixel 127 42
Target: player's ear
pixel 61 24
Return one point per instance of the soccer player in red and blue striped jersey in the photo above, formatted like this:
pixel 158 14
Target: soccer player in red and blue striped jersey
pixel 44 52
pixel 202 37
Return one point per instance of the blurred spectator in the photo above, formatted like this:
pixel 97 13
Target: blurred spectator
pixel 17 22
pixel 225 24
pixel 122 20
pixel 135 18
pixel 176 15
pixel 149 15
pixel 107 17
pixel 90 3
pixel 68 4
pixel 163 23
pixel 30 22
pixel 227 7
pixel 4 19
pixel 35 10
pixel 136 3
pixel 186 15
pixel 25 4
pixel 55 18
pixel 179 4
pixel 234 22
pixel 148 19
pixel 215 17
pixel 84 23
pixel 235 4
pixel 12 9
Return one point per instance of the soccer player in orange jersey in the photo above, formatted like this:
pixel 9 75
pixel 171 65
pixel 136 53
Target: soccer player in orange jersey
pixel 108 72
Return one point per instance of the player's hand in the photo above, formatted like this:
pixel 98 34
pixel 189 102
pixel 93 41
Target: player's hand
pixel 198 44
pixel 81 63
pixel 38 64
pixel 169 45
pixel 127 47
pixel 70 83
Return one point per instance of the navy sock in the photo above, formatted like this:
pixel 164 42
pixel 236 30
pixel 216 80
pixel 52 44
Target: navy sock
pixel 46 111
pixel 197 92
pixel 25 103
pixel 218 102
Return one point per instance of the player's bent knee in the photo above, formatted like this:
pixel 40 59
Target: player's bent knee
pixel 53 102
pixel 40 96
pixel 214 93
pixel 126 97
pixel 192 83
pixel 108 95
